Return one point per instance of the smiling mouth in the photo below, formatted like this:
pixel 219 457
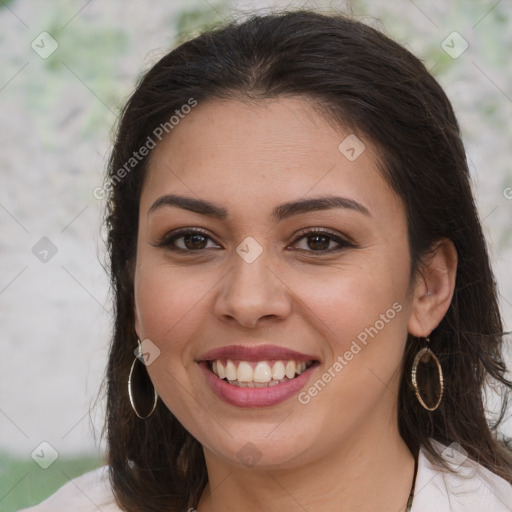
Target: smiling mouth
pixel 258 374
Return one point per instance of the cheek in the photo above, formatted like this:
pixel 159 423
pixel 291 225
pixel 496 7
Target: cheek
pixel 363 316
pixel 355 297
pixel 167 300
pixel 169 307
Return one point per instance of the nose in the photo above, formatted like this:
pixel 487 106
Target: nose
pixel 253 293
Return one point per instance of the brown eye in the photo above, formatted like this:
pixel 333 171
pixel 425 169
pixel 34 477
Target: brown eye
pixel 186 241
pixel 194 241
pixel 317 241
pixel 320 241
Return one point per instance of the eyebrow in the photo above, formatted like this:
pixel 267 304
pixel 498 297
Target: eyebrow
pixel 279 213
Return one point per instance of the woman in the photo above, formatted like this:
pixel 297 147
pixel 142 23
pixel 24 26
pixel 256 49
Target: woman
pixel 306 315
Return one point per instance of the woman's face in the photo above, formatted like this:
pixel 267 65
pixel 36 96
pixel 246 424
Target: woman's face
pixel 333 305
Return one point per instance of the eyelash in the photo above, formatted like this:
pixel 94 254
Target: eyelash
pixel 168 240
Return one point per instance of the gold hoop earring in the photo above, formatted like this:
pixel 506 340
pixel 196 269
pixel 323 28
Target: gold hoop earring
pixel 424 355
pixel 130 395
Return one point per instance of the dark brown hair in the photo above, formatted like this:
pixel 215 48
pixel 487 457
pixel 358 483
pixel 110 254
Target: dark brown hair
pixel 361 79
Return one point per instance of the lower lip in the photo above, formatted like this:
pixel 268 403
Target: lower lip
pixel 255 397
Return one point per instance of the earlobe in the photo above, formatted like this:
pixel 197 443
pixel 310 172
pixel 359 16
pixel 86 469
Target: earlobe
pixel 136 320
pixel 131 271
pixel 434 287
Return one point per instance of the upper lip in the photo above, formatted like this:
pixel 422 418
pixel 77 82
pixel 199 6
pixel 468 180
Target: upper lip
pixel 255 353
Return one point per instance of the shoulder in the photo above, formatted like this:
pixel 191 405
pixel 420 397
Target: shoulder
pixel 473 488
pixel 86 493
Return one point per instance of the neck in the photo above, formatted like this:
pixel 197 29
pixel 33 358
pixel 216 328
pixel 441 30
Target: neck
pixel 369 471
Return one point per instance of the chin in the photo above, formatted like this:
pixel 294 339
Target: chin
pixel 259 452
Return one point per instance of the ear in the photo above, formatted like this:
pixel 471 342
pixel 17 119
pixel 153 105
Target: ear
pixel 433 288
pixel 136 320
pixel 130 267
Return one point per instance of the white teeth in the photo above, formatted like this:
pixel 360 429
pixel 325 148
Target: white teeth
pixel 244 372
pixel 221 372
pixel 262 372
pixel 290 369
pixel 230 370
pixel 262 375
pixel 257 384
pixel 278 370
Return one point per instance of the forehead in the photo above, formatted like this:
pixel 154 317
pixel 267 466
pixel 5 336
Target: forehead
pixel 263 153
pixel 269 131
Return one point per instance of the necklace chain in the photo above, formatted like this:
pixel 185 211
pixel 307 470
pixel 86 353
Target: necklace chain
pixel 411 494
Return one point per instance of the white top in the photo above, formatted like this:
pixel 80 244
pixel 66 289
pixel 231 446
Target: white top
pixel 472 489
